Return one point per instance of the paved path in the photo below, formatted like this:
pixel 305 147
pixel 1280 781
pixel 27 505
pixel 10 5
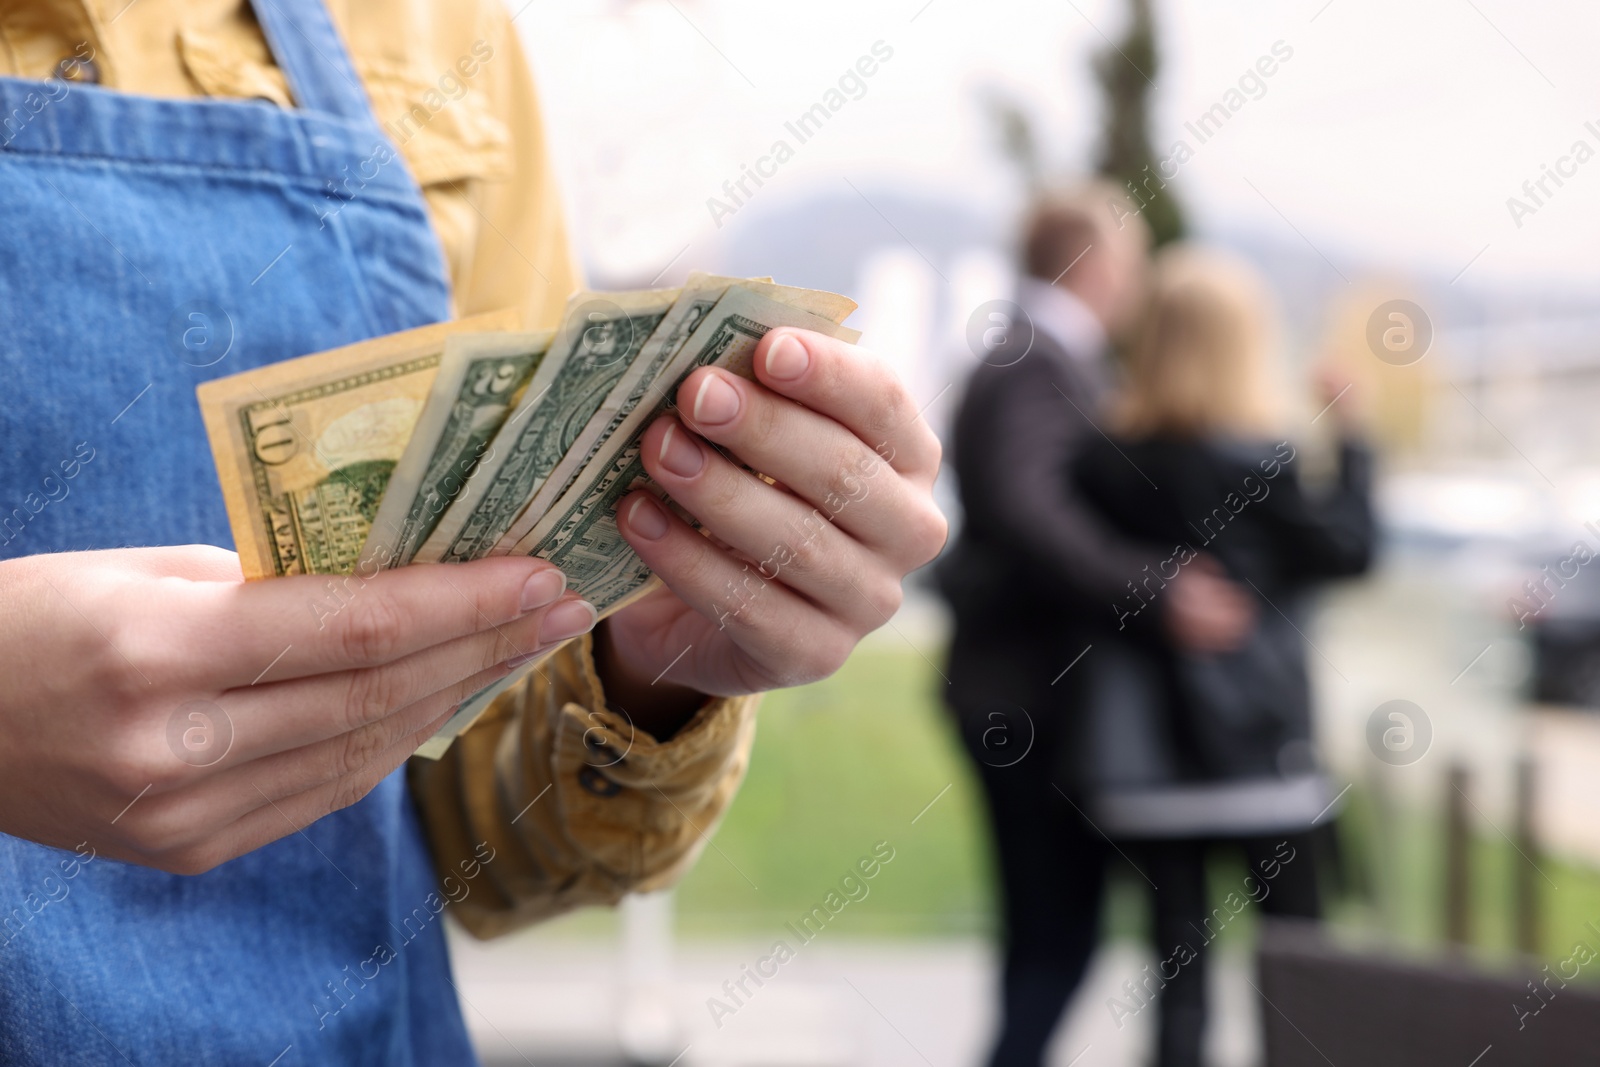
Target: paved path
pixel 552 1001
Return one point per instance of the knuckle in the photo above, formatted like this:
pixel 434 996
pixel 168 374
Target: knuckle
pixel 886 597
pixel 159 830
pixel 808 553
pixel 867 597
pixel 696 566
pixel 739 602
pixel 138 766
pixel 374 693
pixel 351 790
pixel 927 534
pixel 724 491
pixel 889 406
pixel 846 484
pixel 805 661
pixel 113 677
pixel 759 421
pixel 496 648
pixel 354 752
pixel 885 409
pixel 374 631
pixel 833 367
pixel 825 655
pixel 195 860
pixel 159 774
pixel 132 658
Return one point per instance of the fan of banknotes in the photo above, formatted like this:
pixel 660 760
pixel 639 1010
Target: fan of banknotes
pixel 468 439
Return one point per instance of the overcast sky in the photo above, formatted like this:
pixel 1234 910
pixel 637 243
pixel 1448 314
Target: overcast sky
pixel 1393 134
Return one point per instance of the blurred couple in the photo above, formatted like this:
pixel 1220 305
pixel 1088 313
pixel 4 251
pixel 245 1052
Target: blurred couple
pixel 1127 669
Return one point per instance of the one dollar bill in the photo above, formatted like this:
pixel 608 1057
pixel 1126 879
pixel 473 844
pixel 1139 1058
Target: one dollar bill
pixel 580 533
pixel 599 337
pixel 583 538
pixel 647 380
pixel 481 378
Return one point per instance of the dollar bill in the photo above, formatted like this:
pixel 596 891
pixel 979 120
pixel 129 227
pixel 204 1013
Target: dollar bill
pixel 599 337
pixel 455 441
pixel 644 381
pixel 305 448
pixel 474 706
pixel 586 543
pixel 481 377
pixel 580 534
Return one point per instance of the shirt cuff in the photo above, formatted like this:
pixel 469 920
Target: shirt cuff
pixel 556 802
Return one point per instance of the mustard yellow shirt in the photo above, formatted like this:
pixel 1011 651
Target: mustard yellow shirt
pixel 583 808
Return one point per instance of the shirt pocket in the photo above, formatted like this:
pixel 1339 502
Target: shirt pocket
pixel 232 66
pixel 441 124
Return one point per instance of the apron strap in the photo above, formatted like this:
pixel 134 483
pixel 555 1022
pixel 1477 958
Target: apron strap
pixel 313 58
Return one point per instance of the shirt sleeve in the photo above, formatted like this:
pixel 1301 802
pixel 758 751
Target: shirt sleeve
pixel 556 803
pixel 500 215
pixel 550 802
pixel 1332 534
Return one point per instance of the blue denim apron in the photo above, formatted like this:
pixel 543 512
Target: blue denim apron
pixel 149 245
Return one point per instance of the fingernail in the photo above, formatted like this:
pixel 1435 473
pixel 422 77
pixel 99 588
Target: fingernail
pixel 543 588
pixel 679 454
pixel 646 519
pixel 787 359
pixel 717 401
pixel 567 619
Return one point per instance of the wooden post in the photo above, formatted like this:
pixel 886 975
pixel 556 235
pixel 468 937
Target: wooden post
pixel 1525 888
pixel 1457 857
pixel 1385 850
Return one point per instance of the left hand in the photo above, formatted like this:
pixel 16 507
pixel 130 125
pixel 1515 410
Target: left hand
pixel 1207 612
pixel 794 574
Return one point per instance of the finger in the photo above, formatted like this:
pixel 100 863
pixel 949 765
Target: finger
pixel 814 456
pixel 296 627
pixel 189 816
pixel 276 717
pixel 793 641
pixel 849 384
pixel 788 540
pixel 275 819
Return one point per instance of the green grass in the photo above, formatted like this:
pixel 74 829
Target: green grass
pixel 1402 898
pixel 838 767
pixel 843 764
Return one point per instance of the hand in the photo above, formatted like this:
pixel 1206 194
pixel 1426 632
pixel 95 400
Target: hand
pixel 169 714
pixel 1341 396
pixel 793 574
pixel 1207 612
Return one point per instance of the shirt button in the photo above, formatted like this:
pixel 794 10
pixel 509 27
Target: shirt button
pixel 597 783
pixel 74 69
pixel 601 751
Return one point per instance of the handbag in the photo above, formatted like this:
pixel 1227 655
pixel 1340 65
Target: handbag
pixel 1176 744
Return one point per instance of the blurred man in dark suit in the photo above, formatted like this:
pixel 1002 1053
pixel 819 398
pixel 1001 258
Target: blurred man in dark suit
pixel 1031 576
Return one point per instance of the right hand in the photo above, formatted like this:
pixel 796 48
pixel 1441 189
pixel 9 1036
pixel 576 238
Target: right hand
pixel 1207 612
pixel 309 690
pixel 1340 394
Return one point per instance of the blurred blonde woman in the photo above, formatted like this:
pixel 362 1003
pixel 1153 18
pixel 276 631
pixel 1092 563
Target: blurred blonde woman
pixel 1188 751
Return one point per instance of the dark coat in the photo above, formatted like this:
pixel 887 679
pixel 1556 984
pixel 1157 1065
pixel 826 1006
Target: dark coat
pixel 1035 569
pixel 1230 716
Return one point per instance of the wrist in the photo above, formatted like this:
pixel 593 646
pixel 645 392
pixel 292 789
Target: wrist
pixel 659 708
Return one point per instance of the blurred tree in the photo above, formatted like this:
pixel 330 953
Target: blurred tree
pixel 1014 132
pixel 1126 73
